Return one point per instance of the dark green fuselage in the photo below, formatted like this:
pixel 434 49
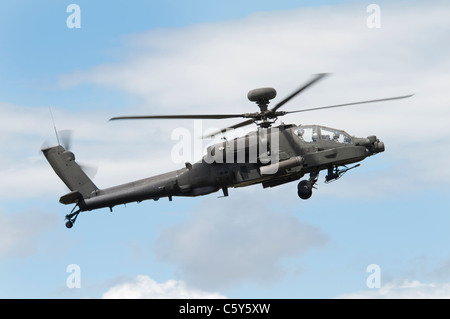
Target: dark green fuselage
pixel 272 157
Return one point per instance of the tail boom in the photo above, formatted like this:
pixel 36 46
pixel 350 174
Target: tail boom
pixel 164 185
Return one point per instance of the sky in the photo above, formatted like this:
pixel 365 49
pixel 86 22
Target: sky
pixel 381 231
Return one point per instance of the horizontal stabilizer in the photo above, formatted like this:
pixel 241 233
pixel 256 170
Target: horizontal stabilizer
pixel 71 198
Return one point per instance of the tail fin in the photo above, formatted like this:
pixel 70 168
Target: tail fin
pixel 64 165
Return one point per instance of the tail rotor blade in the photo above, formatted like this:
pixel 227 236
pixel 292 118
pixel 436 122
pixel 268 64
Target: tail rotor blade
pixel 65 137
pixel 89 170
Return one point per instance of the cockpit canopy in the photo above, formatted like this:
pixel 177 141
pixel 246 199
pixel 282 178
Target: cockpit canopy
pixel 314 133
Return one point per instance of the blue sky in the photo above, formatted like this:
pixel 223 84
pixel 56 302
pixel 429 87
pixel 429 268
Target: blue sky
pixel 168 57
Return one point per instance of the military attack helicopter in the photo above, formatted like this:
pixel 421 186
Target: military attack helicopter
pixel 270 155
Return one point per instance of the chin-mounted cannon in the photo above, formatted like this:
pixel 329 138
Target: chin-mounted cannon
pixel 372 143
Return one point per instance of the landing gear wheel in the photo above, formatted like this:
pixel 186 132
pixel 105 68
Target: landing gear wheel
pixel 304 189
pixel 72 217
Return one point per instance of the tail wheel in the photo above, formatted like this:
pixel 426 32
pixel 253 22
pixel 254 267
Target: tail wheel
pixel 304 189
pixel 72 217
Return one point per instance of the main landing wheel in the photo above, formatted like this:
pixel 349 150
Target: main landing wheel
pixel 304 189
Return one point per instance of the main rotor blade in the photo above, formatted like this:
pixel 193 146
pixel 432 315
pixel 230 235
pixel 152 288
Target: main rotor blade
pixel 241 124
pixel 354 103
pixel 190 116
pixel 305 86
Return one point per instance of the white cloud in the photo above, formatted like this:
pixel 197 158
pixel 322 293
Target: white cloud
pixel 143 287
pixel 19 231
pixel 404 289
pixel 120 155
pixel 227 242
pixel 208 68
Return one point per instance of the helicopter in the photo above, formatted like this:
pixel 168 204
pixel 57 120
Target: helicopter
pixel 270 155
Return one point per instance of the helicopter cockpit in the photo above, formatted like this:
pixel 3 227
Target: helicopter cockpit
pixel 314 133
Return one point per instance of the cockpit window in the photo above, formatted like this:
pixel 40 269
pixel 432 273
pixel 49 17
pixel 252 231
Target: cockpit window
pixel 337 136
pixel 308 134
pixel 314 133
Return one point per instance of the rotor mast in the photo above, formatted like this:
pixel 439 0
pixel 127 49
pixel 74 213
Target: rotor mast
pixel 262 97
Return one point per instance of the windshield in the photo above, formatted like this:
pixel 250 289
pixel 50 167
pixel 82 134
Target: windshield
pixel 314 133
